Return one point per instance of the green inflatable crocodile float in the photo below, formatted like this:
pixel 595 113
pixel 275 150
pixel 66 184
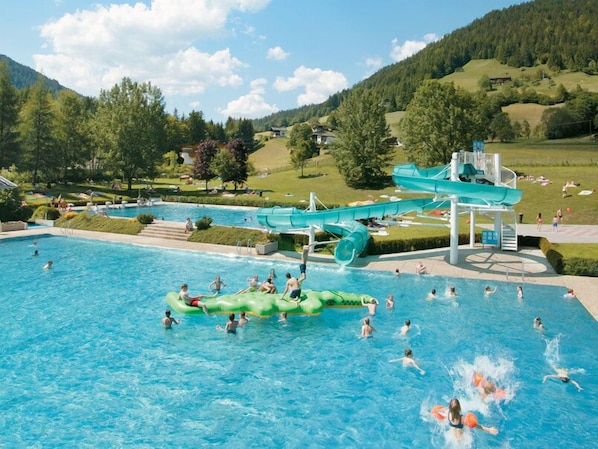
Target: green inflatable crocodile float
pixel 266 304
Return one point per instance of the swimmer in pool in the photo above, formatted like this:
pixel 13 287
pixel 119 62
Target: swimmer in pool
pixel 570 294
pixel 405 327
pixel 168 320
pixel 563 375
pixel 455 420
pixel 452 291
pixel 217 284
pixel 432 295
pixel 283 317
pixel 49 265
pixel 367 329
pixel 243 320
pixel 488 291
pixel 409 362
pixel 538 323
pixel 390 302
pixel 519 292
pixel 371 304
pixel 231 326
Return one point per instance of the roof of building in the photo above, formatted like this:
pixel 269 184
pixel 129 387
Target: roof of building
pixel 6 184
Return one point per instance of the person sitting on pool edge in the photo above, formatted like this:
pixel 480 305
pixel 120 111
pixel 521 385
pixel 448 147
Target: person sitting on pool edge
pixel 192 301
pixel 293 284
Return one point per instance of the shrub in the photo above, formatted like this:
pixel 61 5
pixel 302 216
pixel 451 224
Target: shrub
pixel 94 222
pixel 46 213
pixel 146 218
pixel 203 223
pixel 231 236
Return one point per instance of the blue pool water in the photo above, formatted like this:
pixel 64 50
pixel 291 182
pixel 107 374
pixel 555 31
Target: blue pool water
pixel 85 362
pixel 228 216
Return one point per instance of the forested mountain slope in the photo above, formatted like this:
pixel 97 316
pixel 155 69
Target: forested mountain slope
pixel 23 76
pixel 560 33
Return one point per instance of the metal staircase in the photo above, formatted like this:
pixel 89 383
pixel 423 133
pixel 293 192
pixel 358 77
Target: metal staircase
pixel 508 236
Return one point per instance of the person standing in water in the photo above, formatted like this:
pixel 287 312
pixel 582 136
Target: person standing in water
pixel 293 285
pixel 456 421
pixel 367 329
pixel 167 321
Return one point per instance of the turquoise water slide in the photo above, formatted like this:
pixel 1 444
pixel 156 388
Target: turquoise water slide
pixel 435 180
pixel 341 221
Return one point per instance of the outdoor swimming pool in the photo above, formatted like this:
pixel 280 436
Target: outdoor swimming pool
pixel 227 216
pixel 86 363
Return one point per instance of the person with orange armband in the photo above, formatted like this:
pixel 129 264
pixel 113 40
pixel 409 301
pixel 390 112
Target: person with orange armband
pixel 457 421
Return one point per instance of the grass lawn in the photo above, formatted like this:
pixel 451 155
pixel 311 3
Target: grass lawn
pixel 576 249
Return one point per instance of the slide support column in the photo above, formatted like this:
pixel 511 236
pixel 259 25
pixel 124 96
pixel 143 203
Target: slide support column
pixel 312 228
pixel 471 228
pixel 454 250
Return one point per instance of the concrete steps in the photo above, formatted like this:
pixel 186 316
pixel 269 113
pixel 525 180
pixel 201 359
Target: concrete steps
pixel 165 230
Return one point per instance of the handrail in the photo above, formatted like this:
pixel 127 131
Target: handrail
pixel 249 245
pixel 239 243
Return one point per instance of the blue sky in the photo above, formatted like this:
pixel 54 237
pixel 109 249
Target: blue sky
pixel 239 58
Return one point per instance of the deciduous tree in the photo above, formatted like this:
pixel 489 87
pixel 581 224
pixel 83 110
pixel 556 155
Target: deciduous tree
pixel 204 156
pixel 71 132
pixel 132 128
pixel 301 145
pixel 440 120
pixel 363 150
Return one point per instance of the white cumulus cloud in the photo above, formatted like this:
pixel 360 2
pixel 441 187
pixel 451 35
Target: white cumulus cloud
pixel 399 51
pixel 277 53
pixel 94 48
pixel 252 105
pixel 318 84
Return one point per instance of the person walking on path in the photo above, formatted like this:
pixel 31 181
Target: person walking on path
pixel 555 223
pixel 539 221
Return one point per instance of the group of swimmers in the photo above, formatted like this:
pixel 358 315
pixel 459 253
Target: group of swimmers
pixel 292 287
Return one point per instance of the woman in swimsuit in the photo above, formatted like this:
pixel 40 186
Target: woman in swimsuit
pixel 455 420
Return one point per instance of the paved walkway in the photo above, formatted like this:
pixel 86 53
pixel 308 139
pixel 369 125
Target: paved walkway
pixel 525 266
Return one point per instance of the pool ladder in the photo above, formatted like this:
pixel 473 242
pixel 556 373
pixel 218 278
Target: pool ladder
pixel 249 247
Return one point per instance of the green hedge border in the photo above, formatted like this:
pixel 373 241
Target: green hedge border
pixel 574 266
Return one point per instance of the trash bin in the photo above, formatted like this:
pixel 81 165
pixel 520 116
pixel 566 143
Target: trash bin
pixel 520 218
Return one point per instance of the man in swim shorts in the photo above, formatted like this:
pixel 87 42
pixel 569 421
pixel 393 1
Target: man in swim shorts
pixel 293 285
pixel 193 301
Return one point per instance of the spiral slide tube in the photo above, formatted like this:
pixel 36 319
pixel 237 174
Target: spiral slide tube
pixel 340 221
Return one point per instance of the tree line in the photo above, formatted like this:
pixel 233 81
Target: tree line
pixel 125 133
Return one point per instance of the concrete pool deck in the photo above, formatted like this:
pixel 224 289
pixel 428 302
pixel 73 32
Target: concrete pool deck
pixel 527 266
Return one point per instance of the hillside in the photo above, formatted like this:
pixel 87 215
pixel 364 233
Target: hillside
pixel 559 34
pixel 23 76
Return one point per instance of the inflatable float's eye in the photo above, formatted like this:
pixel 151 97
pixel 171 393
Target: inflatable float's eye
pixel 330 302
